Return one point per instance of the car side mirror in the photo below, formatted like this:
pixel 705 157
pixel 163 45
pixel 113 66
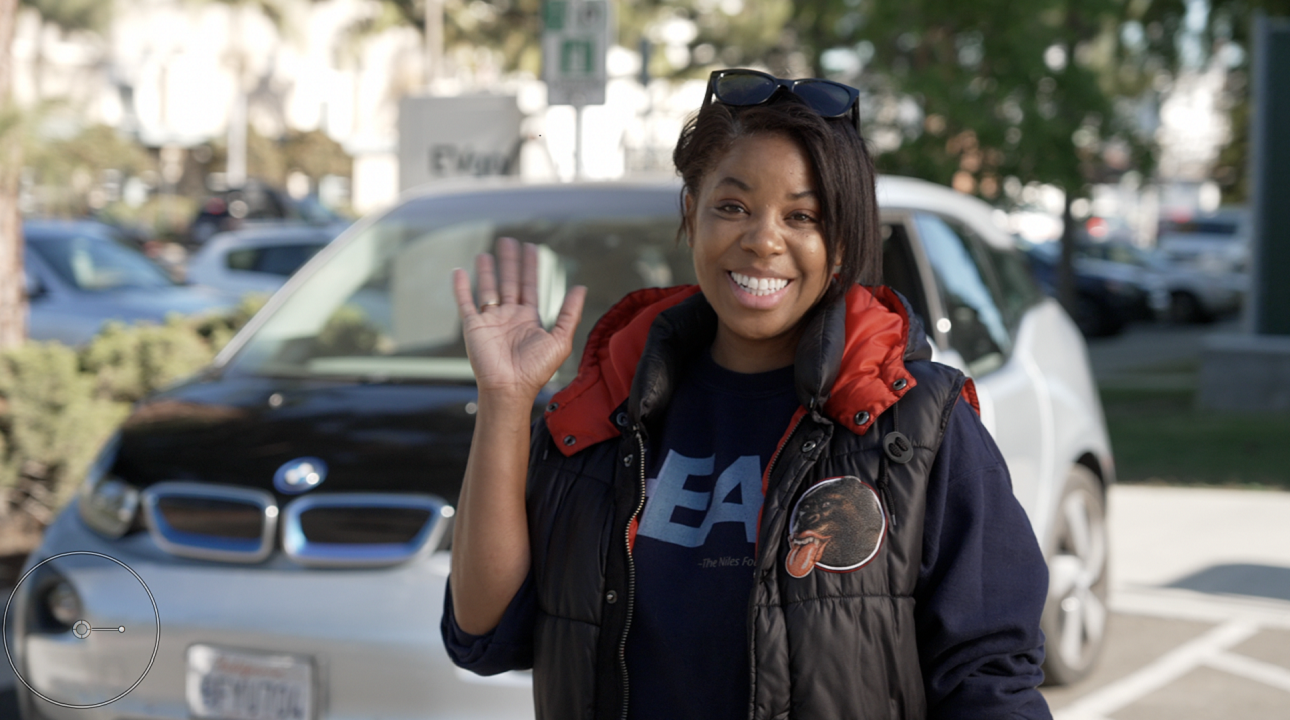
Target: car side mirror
pixel 33 288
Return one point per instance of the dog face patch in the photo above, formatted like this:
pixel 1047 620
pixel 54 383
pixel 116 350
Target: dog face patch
pixel 837 525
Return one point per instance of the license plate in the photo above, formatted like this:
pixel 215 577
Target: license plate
pixel 239 685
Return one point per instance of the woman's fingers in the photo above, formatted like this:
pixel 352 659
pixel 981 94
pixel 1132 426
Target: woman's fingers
pixel 508 258
pixel 570 312
pixel 461 291
pixel 529 283
pixel 487 280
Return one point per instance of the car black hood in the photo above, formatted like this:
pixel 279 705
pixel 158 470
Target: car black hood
pixel 374 437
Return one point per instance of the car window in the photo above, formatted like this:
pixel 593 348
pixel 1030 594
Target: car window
pixel 977 329
pixel 272 259
pixel 1015 288
pixel 382 305
pixel 900 270
pixel 95 263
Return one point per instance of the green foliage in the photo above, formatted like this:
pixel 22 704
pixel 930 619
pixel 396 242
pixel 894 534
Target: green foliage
pixel 66 170
pixel 52 422
pixel 311 152
pixel 74 15
pixel 59 405
pixel 1160 436
pixel 129 362
pixel 1004 88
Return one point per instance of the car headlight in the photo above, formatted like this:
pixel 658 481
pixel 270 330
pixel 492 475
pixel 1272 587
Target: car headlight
pixel 108 504
pixel 63 604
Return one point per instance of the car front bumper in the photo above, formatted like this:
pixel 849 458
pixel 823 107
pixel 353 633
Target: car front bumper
pixel 370 636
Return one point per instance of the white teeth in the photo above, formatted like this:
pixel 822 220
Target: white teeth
pixel 759 286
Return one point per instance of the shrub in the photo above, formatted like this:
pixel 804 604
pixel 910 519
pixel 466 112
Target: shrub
pixel 59 405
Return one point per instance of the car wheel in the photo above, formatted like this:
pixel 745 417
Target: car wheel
pixel 1185 308
pixel 1074 619
pixel 1093 319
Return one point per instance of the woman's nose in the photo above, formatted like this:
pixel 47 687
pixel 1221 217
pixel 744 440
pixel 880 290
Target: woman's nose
pixel 765 236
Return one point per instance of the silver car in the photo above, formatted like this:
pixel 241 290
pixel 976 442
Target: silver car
pixel 80 275
pixel 257 259
pixel 268 540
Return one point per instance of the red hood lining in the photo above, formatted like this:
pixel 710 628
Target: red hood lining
pixel 876 327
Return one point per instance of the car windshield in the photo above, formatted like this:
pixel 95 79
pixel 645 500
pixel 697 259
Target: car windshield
pixel 95 263
pixel 380 305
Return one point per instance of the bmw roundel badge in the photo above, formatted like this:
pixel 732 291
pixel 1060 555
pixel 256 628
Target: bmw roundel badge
pixel 300 475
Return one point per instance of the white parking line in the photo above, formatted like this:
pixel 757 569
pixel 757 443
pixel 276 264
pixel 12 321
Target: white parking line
pixel 1175 604
pixel 1166 669
pixel 1251 669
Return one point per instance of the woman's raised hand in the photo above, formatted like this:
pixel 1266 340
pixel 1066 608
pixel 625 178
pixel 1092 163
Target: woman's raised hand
pixel 510 351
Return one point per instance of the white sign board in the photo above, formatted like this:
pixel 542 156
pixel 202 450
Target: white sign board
pixel 443 137
pixel 574 43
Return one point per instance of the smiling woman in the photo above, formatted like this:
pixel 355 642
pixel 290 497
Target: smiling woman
pixel 758 497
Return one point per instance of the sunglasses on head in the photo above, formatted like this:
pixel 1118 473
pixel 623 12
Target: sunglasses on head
pixel 741 88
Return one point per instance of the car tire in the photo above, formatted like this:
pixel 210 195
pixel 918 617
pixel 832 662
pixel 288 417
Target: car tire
pixel 1185 308
pixel 1075 615
pixel 1094 319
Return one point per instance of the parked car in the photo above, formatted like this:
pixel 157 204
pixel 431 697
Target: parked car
pixel 256 203
pixel 258 259
pixel 1194 295
pixel 289 507
pixel 81 274
pixel 1108 294
pixel 1216 243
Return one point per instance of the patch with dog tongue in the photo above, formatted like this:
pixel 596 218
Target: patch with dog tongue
pixel 837 525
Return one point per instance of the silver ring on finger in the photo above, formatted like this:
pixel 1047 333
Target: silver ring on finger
pixel 490 303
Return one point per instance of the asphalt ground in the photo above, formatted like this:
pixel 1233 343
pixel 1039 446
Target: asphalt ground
pixel 1199 587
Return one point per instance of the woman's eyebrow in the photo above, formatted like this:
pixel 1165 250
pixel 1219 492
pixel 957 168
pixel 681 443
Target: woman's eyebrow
pixel 728 180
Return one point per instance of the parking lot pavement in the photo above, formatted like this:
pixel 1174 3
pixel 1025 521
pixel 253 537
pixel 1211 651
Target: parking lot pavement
pixel 1200 601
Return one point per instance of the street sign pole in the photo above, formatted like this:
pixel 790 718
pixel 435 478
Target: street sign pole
pixel 577 141
pixel 575 39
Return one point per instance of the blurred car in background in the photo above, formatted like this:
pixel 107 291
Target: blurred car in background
pixel 81 274
pixel 1217 243
pixel 258 259
pixel 290 506
pixel 254 203
pixel 1108 294
pixel 1194 295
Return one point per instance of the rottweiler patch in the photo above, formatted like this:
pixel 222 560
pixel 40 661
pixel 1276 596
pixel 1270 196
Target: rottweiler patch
pixel 838 525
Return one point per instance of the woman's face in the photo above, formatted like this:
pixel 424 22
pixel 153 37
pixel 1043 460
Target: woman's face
pixel 759 250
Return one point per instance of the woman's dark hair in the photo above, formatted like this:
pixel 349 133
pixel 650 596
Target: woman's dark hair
pixel 844 174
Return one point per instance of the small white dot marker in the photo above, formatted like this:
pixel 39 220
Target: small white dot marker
pixel 120 628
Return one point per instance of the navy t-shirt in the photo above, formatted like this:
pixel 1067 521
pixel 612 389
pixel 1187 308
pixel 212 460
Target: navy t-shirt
pixel 687 650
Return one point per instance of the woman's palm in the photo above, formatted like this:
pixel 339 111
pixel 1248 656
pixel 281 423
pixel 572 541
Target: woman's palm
pixel 509 349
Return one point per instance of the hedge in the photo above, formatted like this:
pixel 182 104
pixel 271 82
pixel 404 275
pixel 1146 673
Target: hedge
pixel 58 405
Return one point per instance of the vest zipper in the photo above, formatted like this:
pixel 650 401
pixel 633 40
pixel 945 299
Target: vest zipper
pixel 631 578
pixel 752 597
pixel 771 465
pixel 882 490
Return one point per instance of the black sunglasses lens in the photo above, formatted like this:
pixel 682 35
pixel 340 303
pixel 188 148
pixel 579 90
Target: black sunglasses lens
pixel 744 89
pixel 826 98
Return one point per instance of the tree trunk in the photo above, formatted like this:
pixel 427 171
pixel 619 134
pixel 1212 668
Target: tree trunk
pixel 1066 262
pixel 13 287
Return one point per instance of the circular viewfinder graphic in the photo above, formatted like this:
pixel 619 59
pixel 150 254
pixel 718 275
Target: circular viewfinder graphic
pixel 81 629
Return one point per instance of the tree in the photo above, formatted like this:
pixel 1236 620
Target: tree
pixel 68 16
pixel 986 97
pixel 13 303
pixel 1170 47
